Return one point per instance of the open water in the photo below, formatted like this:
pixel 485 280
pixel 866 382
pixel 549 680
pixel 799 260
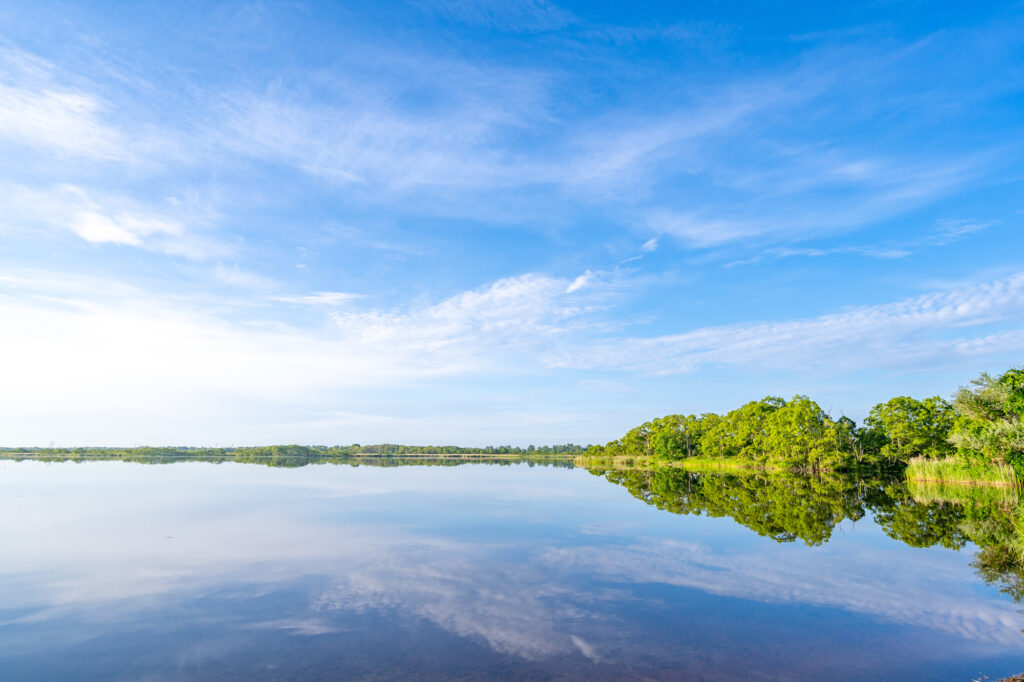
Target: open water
pixel 202 571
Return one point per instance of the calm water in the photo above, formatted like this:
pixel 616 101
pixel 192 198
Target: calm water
pixel 186 571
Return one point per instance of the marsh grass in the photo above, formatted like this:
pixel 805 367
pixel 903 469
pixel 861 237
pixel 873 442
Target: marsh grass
pixel 1002 496
pixel 716 463
pixel 613 463
pixel 956 471
pixel 690 463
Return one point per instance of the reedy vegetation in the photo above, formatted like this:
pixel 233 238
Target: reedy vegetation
pixel 981 431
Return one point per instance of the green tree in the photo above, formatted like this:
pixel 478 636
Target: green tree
pixel 799 434
pixel 905 427
pixel 990 421
pixel 675 436
pixel 741 432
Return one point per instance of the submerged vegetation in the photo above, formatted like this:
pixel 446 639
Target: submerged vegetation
pixel 978 437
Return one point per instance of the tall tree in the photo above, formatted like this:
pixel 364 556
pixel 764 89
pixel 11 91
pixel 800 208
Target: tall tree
pixel 905 427
pixel 990 423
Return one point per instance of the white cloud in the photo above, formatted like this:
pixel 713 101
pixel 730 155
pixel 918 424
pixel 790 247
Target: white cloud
pixel 769 574
pixel 465 143
pixel 586 649
pixel 93 226
pixel 502 605
pixel 579 282
pixel 102 218
pixel 85 348
pixel 459 586
pixel 36 110
pixel 320 298
pixel 361 127
pixel 96 228
pixel 363 138
pixel 78 350
pixel 59 121
pixel 475 329
pixel 697 231
pixel 909 331
pixel 954 230
pixel 239 277
pixel 883 252
pixel 761 208
pixel 620 157
pixel 546 596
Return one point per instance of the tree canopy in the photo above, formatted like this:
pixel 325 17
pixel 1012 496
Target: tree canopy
pixel 985 421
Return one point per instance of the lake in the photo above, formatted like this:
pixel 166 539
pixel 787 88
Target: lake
pixel 216 571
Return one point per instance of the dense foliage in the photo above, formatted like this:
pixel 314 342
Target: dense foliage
pixel 795 434
pixel 983 423
pixel 903 428
pixel 990 419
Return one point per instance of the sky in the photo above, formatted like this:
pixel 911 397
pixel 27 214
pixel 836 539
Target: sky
pixel 497 222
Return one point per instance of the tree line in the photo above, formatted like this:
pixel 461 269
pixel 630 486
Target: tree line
pixel 984 423
pixel 299 455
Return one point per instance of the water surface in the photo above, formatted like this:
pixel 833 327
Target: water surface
pixel 129 571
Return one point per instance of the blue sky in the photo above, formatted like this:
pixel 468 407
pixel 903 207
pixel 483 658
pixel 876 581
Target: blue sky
pixel 498 222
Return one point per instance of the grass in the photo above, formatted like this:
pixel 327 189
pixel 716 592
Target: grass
pixel 467 455
pixel 705 463
pixel 953 470
pixel 690 463
pixel 1003 496
pixel 585 462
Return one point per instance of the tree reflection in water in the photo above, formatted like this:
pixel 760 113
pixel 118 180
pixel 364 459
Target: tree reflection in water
pixel 787 507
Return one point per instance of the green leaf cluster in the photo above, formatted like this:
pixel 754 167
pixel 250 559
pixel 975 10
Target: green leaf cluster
pixel 984 423
pixel 904 427
pixel 990 419
pixel 773 432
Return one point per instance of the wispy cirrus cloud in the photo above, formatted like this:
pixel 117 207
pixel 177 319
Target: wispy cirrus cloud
pixel 92 338
pixel 917 330
pixel 37 109
pixel 768 576
pixel 526 16
pixel 951 230
pixel 810 252
pixel 477 171
pixel 947 232
pixel 367 136
pixel 80 337
pixel 490 133
pixel 762 208
pixel 481 329
pixel 102 218
pixel 482 146
pixel 320 298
